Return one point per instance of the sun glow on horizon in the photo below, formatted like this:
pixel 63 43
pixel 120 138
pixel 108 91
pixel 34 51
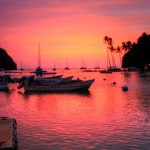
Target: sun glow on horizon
pixel 68 30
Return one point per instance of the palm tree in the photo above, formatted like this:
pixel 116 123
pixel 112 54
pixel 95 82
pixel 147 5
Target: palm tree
pixel 123 46
pixel 108 41
pixel 112 49
pixel 129 45
pixel 126 46
pixel 118 50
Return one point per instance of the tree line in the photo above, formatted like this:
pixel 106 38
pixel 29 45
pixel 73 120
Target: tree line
pixel 136 54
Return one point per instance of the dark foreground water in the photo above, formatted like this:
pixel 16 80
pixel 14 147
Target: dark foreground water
pixel 103 118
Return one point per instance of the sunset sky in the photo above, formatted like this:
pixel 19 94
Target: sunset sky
pixel 69 29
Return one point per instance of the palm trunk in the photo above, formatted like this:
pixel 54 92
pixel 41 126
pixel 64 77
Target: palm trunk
pixel 108 59
pixel 120 59
pixel 114 62
pixel 113 59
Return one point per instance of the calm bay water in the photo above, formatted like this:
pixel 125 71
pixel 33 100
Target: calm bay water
pixel 103 118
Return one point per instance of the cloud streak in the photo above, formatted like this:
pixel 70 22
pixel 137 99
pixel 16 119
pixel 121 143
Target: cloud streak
pixel 18 12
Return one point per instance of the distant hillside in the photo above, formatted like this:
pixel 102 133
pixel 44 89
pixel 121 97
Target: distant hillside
pixel 6 62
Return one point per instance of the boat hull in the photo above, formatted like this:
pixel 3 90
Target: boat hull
pixel 3 87
pixel 4 82
pixel 77 86
pixel 105 71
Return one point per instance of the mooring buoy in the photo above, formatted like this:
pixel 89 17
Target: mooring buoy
pixel 125 88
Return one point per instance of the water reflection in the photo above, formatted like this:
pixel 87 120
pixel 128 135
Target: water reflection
pixel 104 117
pixel 144 74
pixel 80 93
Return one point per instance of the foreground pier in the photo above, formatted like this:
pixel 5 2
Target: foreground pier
pixel 8 133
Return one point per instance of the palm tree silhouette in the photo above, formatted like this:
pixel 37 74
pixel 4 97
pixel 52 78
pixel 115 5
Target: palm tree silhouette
pixel 107 41
pixel 110 47
pixel 118 50
pixel 126 46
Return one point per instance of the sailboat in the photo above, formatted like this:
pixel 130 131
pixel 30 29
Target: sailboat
pixel 54 66
pixel 21 66
pixel 105 71
pixel 67 68
pixel 39 70
pixel 97 65
pixel 82 67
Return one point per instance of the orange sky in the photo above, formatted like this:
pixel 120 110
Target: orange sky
pixel 69 29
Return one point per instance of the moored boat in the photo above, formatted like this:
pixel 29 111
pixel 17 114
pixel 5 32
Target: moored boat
pixel 105 71
pixel 81 85
pixel 73 85
pixel 4 79
pixel 54 80
pixel 67 68
pixel 114 69
pixel 50 78
pixel 39 71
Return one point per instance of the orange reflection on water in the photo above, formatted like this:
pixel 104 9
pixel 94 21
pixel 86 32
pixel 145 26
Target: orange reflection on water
pixel 103 115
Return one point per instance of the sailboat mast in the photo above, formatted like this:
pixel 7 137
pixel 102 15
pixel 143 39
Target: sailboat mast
pixel 39 59
pixel 82 61
pixel 21 64
pixel 67 62
pixel 108 59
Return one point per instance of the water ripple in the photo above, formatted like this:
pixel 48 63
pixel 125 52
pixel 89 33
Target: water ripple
pixel 105 118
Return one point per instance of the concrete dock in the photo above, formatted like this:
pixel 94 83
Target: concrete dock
pixel 8 133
